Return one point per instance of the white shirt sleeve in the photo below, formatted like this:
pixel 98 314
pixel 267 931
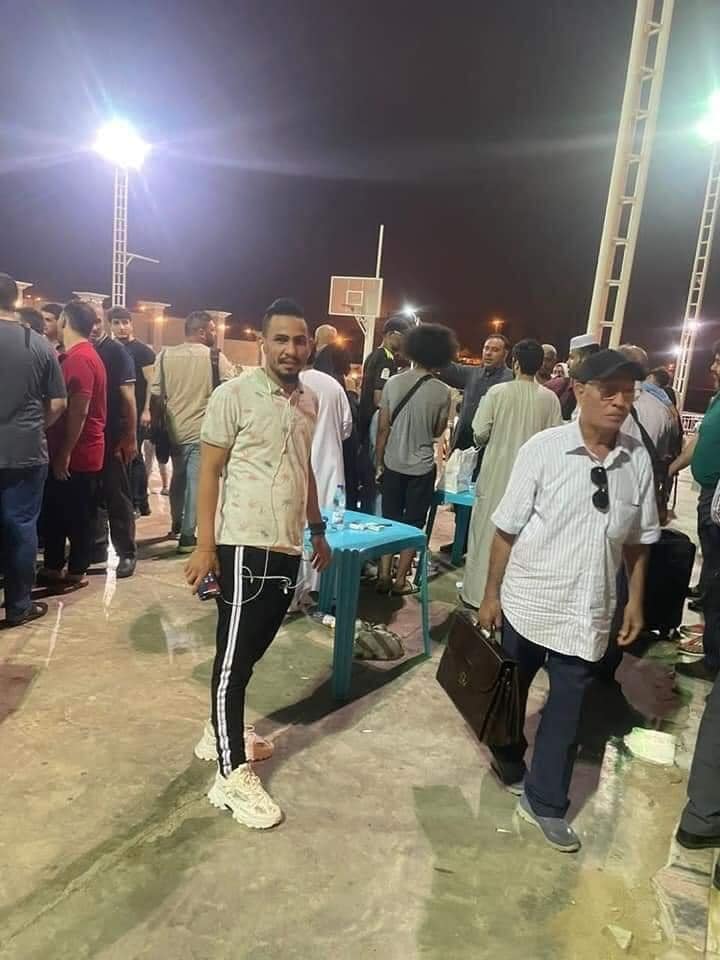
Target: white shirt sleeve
pixel 646 529
pixel 484 417
pixel 516 506
pixel 347 420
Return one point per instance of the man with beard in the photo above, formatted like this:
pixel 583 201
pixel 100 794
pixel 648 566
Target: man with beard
pixel 185 377
pixel 257 438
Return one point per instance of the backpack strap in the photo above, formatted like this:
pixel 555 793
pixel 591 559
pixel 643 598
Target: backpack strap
pixel 646 438
pixel 408 397
pixel 163 391
pixel 215 367
pixel 660 468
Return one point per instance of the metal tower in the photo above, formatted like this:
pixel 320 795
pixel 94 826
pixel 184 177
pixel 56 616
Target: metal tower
pixel 638 118
pixel 120 254
pixel 698 278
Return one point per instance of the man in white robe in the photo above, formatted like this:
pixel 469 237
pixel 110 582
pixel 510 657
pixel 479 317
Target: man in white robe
pixel 334 425
pixel 508 415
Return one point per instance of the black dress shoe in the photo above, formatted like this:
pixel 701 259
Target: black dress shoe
pixel 145 510
pixel 696 841
pixel 697 671
pixel 125 567
pixel 99 556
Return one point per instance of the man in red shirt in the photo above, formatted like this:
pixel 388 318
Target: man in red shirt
pixel 76 446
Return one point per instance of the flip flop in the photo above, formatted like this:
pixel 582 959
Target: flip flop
pixel 63 585
pixel 36 611
pixel 407 591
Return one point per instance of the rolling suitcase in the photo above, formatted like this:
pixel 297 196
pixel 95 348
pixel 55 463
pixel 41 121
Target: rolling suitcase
pixel 668 579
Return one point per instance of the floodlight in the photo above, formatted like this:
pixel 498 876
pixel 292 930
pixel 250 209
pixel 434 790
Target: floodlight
pixel 709 125
pixel 121 145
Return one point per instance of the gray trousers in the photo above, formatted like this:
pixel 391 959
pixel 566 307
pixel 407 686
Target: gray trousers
pixel 702 813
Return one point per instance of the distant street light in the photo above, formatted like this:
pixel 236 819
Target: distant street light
pixel 412 313
pixel 709 130
pixel 121 145
pixel 497 323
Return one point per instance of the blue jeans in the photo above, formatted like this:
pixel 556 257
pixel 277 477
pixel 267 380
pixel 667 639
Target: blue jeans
pixel 21 493
pixel 548 781
pixel 183 488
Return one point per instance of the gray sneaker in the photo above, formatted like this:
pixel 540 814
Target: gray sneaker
pixel 556 830
pixel 516 788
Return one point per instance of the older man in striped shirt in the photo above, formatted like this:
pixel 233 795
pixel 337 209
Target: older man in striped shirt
pixel 579 503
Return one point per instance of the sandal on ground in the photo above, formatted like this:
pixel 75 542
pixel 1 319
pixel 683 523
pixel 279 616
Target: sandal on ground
pixel 405 591
pixel 36 611
pixel 692 647
pixel 62 585
pixel 257 748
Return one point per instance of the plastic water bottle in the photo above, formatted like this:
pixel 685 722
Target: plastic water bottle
pixel 338 511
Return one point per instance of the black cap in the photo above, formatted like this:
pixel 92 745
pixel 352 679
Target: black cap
pixel 397 323
pixel 607 364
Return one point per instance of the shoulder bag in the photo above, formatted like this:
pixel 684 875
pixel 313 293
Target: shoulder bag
pixel 482 682
pixel 160 427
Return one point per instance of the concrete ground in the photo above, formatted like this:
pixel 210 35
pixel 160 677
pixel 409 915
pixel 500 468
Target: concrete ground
pixel 397 844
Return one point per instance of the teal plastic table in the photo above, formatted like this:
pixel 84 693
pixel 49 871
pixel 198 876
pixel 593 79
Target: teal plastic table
pixel 340 583
pixel 464 503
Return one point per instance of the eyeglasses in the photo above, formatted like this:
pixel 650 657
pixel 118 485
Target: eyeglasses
pixel 601 497
pixel 609 390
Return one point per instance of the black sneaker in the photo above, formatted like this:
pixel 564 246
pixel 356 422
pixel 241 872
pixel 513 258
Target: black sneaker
pixel 126 567
pixel 145 510
pixel 99 556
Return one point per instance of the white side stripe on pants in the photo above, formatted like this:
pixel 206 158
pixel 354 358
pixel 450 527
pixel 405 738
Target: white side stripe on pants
pixel 220 705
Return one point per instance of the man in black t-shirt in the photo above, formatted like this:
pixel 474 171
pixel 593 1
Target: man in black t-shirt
pixel 31 399
pixel 377 370
pixel 120 451
pixel 143 358
pixel 379 367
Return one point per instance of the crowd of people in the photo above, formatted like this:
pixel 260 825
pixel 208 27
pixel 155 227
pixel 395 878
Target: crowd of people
pixel 75 415
pixel 574 462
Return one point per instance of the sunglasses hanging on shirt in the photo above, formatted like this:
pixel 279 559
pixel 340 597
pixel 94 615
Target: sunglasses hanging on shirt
pixel 601 497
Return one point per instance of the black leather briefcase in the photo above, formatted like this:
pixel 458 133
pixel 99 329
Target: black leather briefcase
pixel 482 682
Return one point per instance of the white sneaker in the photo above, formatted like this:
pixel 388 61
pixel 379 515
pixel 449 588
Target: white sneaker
pixel 206 747
pixel 256 748
pixel 246 798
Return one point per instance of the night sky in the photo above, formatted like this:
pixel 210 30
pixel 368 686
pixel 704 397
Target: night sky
pixel 285 131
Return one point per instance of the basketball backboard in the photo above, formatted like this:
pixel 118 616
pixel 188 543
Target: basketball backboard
pixel 355 297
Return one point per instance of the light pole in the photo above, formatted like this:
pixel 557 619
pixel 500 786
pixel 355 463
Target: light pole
pixel 709 130
pixel 121 146
pixel 641 101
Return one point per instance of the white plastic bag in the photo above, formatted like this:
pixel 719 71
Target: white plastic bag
pixel 715 506
pixel 459 469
